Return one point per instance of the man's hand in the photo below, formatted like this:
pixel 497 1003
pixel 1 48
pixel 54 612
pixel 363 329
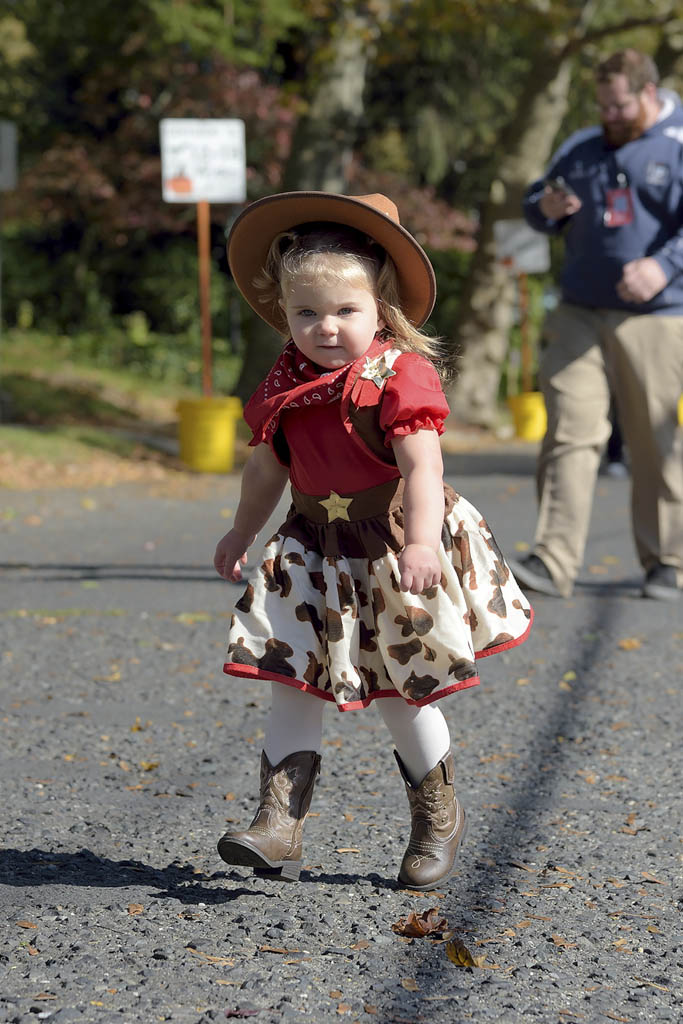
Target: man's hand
pixel 641 280
pixel 555 205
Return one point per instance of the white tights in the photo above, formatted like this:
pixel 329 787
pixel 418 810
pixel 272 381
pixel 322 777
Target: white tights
pixel 420 735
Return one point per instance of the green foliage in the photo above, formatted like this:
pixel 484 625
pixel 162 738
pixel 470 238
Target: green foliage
pixel 90 249
pixel 244 30
pixel 451 269
pixel 52 378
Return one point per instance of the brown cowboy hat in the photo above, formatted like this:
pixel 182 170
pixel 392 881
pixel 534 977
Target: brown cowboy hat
pixel 374 215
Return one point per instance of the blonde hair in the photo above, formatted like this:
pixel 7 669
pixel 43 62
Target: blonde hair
pixel 334 252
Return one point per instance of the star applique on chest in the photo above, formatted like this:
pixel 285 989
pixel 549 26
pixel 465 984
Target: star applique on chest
pixel 336 507
pixel 378 371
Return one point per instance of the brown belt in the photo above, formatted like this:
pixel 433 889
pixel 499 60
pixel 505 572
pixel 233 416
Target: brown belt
pixel 336 508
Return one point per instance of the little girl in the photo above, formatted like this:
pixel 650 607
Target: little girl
pixel 382 584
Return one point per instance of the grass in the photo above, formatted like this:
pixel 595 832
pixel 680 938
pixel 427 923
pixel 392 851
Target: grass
pixel 60 413
pixel 44 382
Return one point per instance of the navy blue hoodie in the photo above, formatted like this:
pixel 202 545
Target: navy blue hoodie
pixel 595 253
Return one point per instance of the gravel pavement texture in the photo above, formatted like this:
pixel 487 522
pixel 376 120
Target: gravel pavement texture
pixel 125 751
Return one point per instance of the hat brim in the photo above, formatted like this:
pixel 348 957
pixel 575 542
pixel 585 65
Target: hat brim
pixel 257 226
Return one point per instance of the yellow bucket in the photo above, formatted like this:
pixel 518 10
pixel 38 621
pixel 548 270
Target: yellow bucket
pixel 207 432
pixel 528 415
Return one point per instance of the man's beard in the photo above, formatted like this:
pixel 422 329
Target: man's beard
pixel 618 134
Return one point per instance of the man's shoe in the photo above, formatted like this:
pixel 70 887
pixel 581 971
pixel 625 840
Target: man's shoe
pixel 617 470
pixel 531 572
pixel 661 583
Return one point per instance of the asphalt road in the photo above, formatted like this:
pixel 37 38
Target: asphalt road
pixel 125 751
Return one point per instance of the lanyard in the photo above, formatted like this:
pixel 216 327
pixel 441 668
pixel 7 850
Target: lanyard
pixel 618 204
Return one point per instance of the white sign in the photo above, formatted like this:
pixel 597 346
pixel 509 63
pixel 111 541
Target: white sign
pixel 203 159
pixel 8 156
pixel 520 247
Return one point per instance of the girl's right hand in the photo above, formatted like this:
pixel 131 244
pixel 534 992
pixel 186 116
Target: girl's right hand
pixel 231 555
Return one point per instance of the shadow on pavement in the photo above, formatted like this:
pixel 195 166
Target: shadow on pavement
pixel 482 891
pixel 88 870
pixel 85 868
pixel 175 881
pixel 48 571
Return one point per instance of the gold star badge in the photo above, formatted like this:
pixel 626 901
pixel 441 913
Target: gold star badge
pixel 336 507
pixel 378 371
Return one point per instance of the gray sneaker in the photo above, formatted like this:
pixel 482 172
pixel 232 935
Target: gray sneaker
pixel 661 583
pixel 533 574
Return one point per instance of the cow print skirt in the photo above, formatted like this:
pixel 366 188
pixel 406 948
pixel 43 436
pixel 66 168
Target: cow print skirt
pixel 324 611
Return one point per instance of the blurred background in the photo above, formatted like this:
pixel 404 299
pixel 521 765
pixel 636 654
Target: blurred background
pixel 451 108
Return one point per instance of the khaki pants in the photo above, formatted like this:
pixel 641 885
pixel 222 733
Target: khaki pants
pixel 641 359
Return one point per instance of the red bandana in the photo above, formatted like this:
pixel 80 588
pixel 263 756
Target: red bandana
pixel 293 382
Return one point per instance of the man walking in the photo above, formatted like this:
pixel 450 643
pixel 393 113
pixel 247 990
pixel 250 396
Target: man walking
pixel 615 192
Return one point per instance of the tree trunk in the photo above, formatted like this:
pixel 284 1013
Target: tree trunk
pixel 321 153
pixel 325 136
pixel 488 303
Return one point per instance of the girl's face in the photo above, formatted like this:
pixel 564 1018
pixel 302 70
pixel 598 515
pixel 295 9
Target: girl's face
pixel 332 323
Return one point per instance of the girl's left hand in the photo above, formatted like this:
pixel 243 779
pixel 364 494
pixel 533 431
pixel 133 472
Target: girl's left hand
pixel 420 568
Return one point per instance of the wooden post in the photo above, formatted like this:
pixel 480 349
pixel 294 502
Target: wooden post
pixel 203 247
pixel 525 346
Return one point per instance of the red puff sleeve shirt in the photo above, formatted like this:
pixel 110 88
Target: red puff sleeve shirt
pixel 325 458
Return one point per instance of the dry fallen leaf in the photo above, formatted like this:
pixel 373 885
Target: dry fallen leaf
pixel 410 985
pixel 428 923
pixel 630 643
pixel 652 984
pixel 278 949
pixel 562 943
pixel 135 908
pixel 26 924
pixel 209 959
pixel 649 877
pixel 460 955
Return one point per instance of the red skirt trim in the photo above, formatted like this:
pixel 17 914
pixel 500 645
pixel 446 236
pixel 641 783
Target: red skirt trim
pixel 508 643
pixel 231 668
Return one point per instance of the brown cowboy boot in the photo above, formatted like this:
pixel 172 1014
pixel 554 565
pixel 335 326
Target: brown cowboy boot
pixel 437 827
pixel 272 843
